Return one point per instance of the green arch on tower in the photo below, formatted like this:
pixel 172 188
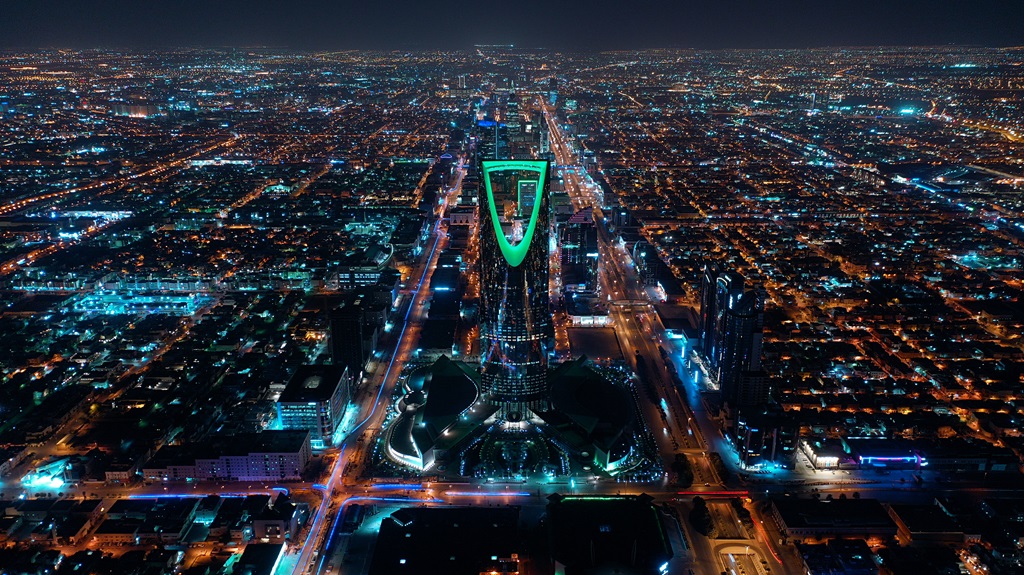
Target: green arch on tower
pixel 515 255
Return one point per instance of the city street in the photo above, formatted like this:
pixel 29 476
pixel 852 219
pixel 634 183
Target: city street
pixel 378 385
pixel 682 430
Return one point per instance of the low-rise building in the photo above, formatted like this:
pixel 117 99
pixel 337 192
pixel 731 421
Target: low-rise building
pixel 925 524
pixel 266 456
pixel 802 519
pixel 838 557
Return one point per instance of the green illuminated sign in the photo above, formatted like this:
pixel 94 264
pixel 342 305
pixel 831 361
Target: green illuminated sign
pixel 514 255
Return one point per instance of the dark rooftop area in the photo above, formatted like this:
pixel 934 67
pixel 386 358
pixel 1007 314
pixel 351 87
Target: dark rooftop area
pixel 313 383
pixel 592 535
pixel 450 540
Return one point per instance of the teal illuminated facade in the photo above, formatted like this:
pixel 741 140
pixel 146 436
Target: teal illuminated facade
pixel 315 399
pixel 516 330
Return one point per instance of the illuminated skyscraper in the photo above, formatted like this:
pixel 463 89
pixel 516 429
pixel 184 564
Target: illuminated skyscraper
pixel 707 311
pixel 515 319
pixel 735 340
pixel 731 325
pixel 579 255
pixel 512 119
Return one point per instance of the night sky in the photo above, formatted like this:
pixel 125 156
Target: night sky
pixel 414 24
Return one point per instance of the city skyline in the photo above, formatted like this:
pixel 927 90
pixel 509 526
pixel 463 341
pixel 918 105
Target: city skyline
pixel 512 310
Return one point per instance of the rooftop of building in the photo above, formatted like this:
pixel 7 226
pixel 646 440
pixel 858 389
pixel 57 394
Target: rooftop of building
pixel 438 394
pixel 599 410
pixel 833 514
pixel 838 556
pixel 455 540
pixel 924 518
pixel 269 441
pixel 618 534
pixel 259 559
pixel 313 383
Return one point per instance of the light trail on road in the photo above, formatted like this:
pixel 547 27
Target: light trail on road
pixel 767 541
pixel 303 564
pixel 405 326
pixel 487 494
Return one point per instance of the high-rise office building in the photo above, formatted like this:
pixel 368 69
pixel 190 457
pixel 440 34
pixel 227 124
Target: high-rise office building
pixel 707 311
pixel 490 134
pixel 579 255
pixel 728 288
pixel 515 319
pixel 753 388
pixel 356 326
pixel 543 141
pixel 315 399
pixel 732 321
pixel 512 119
pixel 740 320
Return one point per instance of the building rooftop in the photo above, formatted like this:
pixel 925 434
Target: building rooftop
pixel 924 518
pixel 259 559
pixel 269 441
pixel 599 410
pixel 837 514
pixel 313 383
pixel 450 540
pixel 438 394
pixel 607 534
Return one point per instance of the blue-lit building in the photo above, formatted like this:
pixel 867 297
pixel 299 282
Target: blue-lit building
pixel 766 437
pixel 732 321
pixel 315 399
pixel 707 310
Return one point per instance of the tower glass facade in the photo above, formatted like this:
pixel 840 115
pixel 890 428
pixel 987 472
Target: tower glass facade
pixel 731 323
pixel 708 317
pixel 579 251
pixel 739 355
pixel 732 317
pixel 515 319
